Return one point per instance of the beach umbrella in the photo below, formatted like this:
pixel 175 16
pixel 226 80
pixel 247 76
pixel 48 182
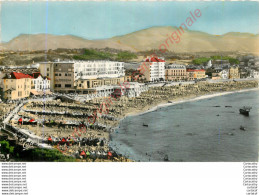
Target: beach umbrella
pixel 63 140
pixel 20 121
pixel 109 154
pixel 82 153
pixel 32 120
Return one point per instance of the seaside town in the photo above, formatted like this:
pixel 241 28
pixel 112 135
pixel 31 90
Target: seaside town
pixel 71 107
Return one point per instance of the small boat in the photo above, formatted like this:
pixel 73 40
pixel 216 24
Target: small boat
pixel 228 106
pixel 245 110
pixel 166 158
pixel 242 128
pixel 145 125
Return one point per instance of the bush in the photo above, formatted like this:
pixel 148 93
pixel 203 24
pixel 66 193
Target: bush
pixel 6 148
pixel 51 155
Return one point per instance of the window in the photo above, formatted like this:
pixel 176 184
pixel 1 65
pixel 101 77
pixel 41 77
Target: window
pixel 67 85
pixel 59 74
pixel 47 69
pixel 56 74
pixel 65 74
pixel 47 74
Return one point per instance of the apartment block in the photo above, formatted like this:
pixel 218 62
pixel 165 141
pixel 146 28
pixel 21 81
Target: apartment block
pixel 175 72
pixel 153 69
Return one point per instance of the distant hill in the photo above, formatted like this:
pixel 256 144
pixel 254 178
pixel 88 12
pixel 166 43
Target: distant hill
pixel 143 40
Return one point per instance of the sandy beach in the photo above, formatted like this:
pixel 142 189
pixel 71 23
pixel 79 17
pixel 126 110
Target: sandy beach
pixel 183 100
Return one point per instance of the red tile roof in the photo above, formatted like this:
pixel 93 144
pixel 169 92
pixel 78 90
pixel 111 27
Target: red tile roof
pixel 154 59
pixel 18 75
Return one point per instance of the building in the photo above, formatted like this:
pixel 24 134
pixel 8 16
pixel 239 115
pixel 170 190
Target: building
pixel 244 72
pixel 220 74
pixel 254 74
pixel 224 74
pixel 195 74
pixel 98 69
pixel 64 74
pixel 82 85
pixel 233 73
pixel 209 64
pixel 47 70
pixel 64 77
pixel 21 69
pixel 175 72
pixel 16 86
pixel 134 89
pixel 221 63
pixel 127 78
pixel 153 69
pixel 39 84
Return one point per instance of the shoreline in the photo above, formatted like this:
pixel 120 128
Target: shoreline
pixel 183 100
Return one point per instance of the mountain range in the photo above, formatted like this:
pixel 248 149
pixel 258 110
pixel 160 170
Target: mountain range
pixel 142 40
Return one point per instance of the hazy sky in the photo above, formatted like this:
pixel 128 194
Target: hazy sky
pixel 99 20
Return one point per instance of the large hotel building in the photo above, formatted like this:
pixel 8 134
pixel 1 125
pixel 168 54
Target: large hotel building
pixel 79 76
pixel 175 72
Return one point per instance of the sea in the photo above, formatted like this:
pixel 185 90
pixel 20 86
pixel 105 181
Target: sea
pixel 207 129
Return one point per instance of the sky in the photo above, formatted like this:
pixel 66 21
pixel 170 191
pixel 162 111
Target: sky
pixel 101 20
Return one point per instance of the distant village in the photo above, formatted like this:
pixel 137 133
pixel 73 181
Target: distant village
pixel 103 78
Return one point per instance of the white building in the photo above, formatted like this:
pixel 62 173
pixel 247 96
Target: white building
pixel 63 74
pixel 39 83
pixel 209 64
pixel 153 69
pixel 254 74
pixel 224 74
pixel 134 89
pixel 98 69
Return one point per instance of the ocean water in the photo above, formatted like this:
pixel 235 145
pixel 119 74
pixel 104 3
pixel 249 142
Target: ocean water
pixel 195 131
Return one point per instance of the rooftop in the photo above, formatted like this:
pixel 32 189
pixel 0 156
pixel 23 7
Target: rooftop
pixel 154 59
pixel 17 75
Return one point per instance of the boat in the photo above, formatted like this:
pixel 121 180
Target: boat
pixel 166 158
pixel 245 110
pixel 242 128
pixel 228 106
pixel 145 125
